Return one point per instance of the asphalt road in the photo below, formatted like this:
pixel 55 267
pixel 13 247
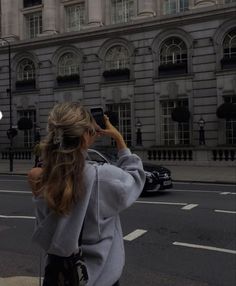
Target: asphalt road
pixel 185 236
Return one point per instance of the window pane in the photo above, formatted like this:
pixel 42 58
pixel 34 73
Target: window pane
pixel 28 135
pixel 231 125
pixel 173 133
pixel 117 57
pixel 75 17
pixel 68 64
pixel 30 3
pixel 175 6
pixel 25 70
pixel 123 113
pixel 121 11
pixel 34 25
pixel 173 51
pixel 229 44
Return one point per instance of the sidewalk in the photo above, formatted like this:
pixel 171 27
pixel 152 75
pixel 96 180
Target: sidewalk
pixel 186 173
pixel 19 281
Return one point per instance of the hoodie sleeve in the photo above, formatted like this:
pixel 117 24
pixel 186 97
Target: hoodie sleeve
pixel 119 186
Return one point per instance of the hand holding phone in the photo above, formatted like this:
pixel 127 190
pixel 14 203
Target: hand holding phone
pixel 98 115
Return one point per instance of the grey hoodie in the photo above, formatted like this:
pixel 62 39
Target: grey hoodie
pixel 109 190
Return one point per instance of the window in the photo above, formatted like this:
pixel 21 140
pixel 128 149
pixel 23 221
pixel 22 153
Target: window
pixel 28 135
pixel 173 51
pixel 175 6
pixel 121 11
pixel 231 125
pixel 68 64
pixel 117 57
pixel 173 133
pixel 229 45
pixel 34 25
pixel 173 57
pixel 123 113
pixel 229 51
pixel 75 17
pixel 31 3
pixel 25 70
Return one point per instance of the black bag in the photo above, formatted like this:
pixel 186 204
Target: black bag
pixel 66 271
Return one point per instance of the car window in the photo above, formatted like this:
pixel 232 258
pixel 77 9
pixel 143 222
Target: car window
pixel 94 156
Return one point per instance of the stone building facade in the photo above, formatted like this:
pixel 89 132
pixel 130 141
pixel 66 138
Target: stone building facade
pixel 141 59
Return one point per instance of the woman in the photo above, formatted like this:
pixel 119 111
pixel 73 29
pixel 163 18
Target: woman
pixel 69 192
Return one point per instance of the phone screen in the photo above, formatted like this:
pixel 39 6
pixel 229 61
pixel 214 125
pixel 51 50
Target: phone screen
pixel 98 116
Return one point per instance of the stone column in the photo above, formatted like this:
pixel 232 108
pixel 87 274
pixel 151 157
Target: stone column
pixel 94 13
pixel 49 17
pixel 9 19
pixel 146 8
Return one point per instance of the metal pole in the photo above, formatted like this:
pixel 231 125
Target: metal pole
pixel 10 102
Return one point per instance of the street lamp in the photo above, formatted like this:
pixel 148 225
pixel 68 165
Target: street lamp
pixel 10 131
pixel 201 123
pixel 138 125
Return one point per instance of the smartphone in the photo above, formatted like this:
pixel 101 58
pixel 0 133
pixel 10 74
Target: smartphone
pixel 98 115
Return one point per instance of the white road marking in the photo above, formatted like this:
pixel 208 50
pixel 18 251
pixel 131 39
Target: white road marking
pixel 15 192
pixel 205 247
pixel 134 234
pixel 194 191
pixel 17 217
pixel 201 191
pixel 223 211
pixel 161 203
pixel 189 207
pixel 203 184
pixel 2 180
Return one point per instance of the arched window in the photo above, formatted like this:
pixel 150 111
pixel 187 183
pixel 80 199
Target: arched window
pixel 25 70
pixel 117 57
pixel 229 45
pixel 229 50
pixel 117 63
pixel 68 64
pixel 68 69
pixel 173 56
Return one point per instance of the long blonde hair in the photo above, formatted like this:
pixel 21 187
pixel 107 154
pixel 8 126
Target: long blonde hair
pixel 61 182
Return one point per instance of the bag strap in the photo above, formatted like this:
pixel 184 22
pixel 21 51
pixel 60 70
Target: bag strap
pixel 81 234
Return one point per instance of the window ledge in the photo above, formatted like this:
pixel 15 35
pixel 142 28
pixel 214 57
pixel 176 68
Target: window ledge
pixel 171 77
pixel 28 91
pixel 226 71
pixel 31 9
pixel 114 82
pixel 69 87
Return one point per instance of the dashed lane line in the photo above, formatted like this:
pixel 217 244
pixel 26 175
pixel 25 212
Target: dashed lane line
pixel 202 191
pixel 189 207
pixel 17 217
pixel 161 203
pixel 15 192
pixel 134 234
pixel 223 211
pixel 205 247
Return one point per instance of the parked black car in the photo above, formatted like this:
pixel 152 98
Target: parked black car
pixel 157 177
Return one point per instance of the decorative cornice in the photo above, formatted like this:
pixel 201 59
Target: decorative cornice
pixel 148 24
